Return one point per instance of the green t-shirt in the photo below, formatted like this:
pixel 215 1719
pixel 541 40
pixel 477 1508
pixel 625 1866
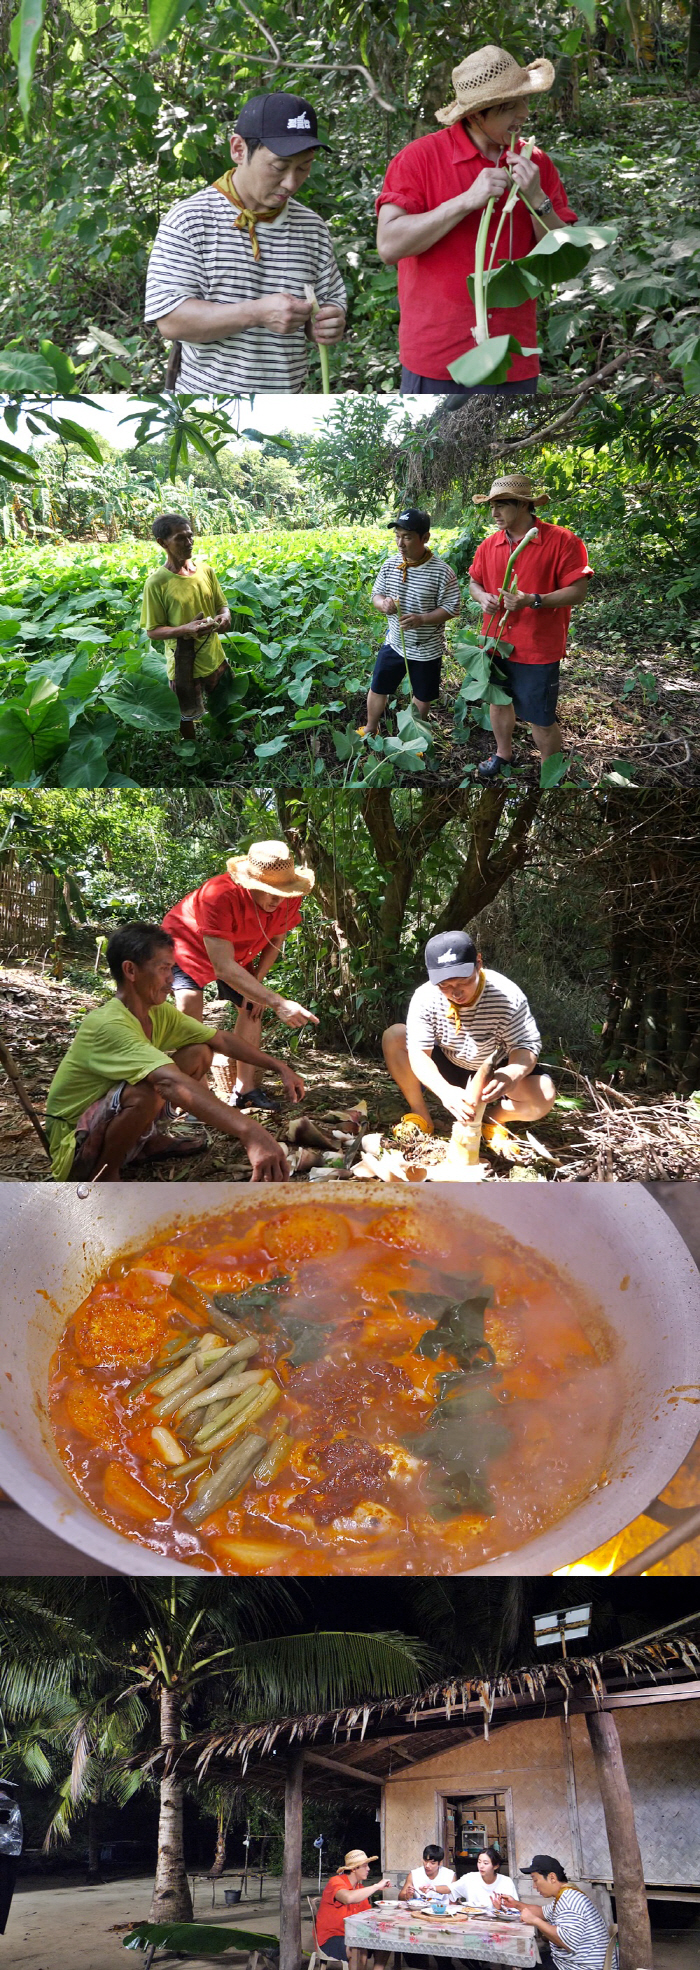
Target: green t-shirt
pixel 174 599
pixel 110 1046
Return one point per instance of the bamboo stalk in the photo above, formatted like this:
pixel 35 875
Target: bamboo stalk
pixel 310 295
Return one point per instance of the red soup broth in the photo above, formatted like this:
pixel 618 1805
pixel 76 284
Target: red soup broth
pixel 432 1395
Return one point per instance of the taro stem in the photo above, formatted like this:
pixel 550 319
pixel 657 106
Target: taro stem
pixel 513 194
pixel 481 331
pixel 309 294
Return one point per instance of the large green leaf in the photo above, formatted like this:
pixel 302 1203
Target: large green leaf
pixel 84 764
pixel 508 285
pixel 77 434
pixel 566 251
pixel 146 702
pixel 197 1938
pixel 33 733
pixel 163 16
pixel 487 362
pixel 16 465
pixel 22 373
pixel 62 365
pixel 24 42
pixel 553 770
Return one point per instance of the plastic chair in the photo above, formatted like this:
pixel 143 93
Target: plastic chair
pixel 318 1953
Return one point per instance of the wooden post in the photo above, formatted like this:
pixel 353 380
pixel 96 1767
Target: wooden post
pixel 628 1873
pixel 290 1897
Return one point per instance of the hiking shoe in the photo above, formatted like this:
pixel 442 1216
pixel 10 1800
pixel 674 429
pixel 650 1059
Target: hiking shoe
pixel 254 1099
pixel 491 769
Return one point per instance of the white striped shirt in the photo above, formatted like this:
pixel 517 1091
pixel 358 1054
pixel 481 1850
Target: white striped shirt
pixel 199 254
pixel 499 1021
pixel 581 1925
pixel 432 585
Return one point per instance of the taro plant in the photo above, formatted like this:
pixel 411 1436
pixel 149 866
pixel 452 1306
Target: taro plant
pixel 558 256
pixel 482 654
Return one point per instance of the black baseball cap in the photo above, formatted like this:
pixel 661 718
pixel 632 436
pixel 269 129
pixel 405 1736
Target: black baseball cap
pixel 412 518
pixel 545 1864
pixel 453 954
pixel 284 124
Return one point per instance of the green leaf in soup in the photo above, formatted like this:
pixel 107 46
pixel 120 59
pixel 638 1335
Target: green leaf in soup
pixel 255 1302
pixel 309 1340
pixel 458 1332
pixel 464 1434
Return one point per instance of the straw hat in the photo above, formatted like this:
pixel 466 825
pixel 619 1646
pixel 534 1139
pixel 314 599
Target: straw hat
pixel 491 76
pixel 358 1858
pixel 269 865
pixel 515 485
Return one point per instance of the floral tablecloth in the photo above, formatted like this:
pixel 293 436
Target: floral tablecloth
pixel 390 1928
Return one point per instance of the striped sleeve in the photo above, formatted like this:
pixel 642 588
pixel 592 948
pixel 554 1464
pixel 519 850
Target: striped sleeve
pixel 581 1928
pixel 447 590
pixel 176 269
pixel 522 1028
pixel 381 585
pixel 421 1025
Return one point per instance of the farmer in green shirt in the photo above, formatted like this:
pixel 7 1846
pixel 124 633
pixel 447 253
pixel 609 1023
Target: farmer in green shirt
pixel 185 596
pixel 137 1058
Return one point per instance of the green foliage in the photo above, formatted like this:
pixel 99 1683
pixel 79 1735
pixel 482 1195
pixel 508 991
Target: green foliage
pixel 197 1938
pixel 81 213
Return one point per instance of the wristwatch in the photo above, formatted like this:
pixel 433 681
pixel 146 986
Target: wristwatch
pixel 536 602
pixel 544 208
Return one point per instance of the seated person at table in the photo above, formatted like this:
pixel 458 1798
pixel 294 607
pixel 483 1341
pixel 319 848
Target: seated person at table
pixel 135 1061
pixel 432 1879
pixel 568 1920
pixel 345 1894
pixel 478 1890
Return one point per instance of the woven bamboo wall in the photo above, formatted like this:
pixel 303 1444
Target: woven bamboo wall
pixel 27 909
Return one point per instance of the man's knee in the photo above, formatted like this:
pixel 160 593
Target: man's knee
pixel 195 1060
pixel 393 1042
pixel 143 1099
pixel 547 1092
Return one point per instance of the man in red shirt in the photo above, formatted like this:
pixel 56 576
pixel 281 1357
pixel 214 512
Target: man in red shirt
pixel 553 574
pixel 345 1895
pixel 430 209
pixel 232 930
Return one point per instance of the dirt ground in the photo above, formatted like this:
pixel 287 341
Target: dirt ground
pixel 72 1927
pixel 654 728
pixel 609 1136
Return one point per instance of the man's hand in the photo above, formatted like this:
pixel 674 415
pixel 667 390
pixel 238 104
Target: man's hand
pixel 504 1081
pixel 282 313
pixel 266 1157
pixel 291 1082
pixel 294 1015
pixel 197 627
pixel 526 175
pixel 514 602
pixel 385 604
pixel 456 1103
pixel 328 325
pixel 412 621
pixel 491 183
pixel 223 620
pixel 505 1901
pixel 384 1883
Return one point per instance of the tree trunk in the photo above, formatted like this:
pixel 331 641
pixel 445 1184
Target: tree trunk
pixel 93 1867
pixel 628 1873
pixel 692 65
pixel 172 1901
pixel 290 1898
pixel 219 1861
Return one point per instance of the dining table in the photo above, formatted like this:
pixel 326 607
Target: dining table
pixel 398 1927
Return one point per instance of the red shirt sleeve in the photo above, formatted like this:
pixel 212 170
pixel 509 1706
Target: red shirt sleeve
pixel 404 183
pixel 219 910
pixel 477 564
pixel 572 561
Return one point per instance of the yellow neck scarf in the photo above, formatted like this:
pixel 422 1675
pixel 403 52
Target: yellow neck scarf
pixel 405 565
pixel 245 218
pixel 455 1012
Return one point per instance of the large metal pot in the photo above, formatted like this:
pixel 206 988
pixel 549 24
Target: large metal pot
pixel 56 1241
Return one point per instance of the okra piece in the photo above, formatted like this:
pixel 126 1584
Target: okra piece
pixel 232 1384
pixel 208 1378
pixel 277 1454
pixel 182 1289
pixel 225 1482
pixel 249 1407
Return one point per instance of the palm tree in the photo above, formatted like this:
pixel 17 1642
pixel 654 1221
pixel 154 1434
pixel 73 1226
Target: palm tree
pixel 173 1645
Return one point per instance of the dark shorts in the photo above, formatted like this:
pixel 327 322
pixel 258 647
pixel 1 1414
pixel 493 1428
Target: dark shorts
pixel 413 385
pixel 390 668
pixel 457 1076
pixel 183 983
pixel 336 1946
pixel 534 689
